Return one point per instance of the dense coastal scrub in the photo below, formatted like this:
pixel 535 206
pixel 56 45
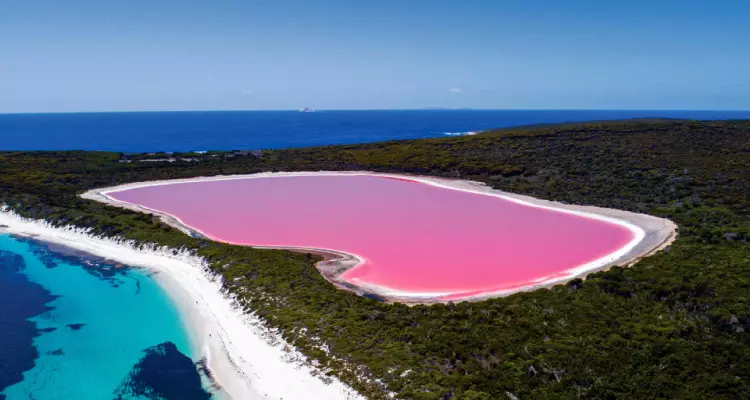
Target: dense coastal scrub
pixel 673 326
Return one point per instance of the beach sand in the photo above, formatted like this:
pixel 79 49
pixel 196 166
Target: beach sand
pixel 247 360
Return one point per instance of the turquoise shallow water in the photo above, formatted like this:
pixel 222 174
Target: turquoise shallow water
pixel 108 334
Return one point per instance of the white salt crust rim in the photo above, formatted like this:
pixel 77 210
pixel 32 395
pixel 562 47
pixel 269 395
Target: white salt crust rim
pixel 638 233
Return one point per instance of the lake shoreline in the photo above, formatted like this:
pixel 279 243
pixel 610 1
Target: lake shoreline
pixel 650 234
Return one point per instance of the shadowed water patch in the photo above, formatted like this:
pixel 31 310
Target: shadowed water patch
pixel 28 299
pixel 75 327
pixel 52 255
pixel 164 373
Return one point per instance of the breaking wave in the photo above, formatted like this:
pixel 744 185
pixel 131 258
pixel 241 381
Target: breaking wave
pixel 469 133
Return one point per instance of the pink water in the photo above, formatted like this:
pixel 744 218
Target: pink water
pixel 413 237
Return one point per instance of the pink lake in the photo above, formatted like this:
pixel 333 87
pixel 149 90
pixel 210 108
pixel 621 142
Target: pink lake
pixel 413 237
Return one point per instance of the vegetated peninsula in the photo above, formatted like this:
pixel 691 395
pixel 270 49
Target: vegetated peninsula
pixel 673 325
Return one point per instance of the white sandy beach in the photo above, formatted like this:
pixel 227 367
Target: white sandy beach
pixel 246 359
pixel 650 233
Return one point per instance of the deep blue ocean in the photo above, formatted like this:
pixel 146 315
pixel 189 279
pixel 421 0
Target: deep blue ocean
pixel 251 130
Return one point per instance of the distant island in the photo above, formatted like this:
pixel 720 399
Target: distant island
pixel 673 325
pixel 447 108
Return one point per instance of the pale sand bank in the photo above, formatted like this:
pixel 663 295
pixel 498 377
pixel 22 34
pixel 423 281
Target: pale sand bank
pixel 246 360
pixel 650 233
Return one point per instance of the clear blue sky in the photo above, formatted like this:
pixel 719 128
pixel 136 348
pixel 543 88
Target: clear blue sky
pixel 75 55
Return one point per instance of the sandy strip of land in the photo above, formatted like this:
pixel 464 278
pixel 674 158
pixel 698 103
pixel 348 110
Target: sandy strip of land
pixel 247 360
pixel 650 234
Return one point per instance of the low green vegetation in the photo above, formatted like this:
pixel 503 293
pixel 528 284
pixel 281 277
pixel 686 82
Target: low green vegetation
pixel 673 326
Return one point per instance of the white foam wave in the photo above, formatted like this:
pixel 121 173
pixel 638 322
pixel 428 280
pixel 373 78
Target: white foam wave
pixel 468 133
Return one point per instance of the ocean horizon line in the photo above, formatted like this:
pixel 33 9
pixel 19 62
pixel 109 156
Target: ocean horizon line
pixel 427 109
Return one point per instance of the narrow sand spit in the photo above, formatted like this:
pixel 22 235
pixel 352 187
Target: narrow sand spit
pixel 650 233
pixel 245 359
